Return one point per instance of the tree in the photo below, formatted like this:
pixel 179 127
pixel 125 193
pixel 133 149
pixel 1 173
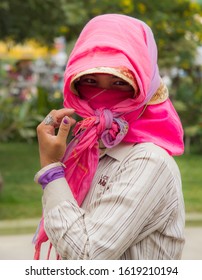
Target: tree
pixel 176 24
pixel 20 20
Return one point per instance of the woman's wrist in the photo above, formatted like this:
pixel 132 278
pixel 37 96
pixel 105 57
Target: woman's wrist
pixel 49 173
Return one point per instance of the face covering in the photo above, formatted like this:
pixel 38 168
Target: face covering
pixel 103 98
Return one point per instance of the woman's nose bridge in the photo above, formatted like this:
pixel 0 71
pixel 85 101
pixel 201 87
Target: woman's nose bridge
pixel 104 81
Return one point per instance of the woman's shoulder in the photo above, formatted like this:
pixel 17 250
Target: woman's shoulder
pixel 152 152
pixel 123 150
pixel 144 151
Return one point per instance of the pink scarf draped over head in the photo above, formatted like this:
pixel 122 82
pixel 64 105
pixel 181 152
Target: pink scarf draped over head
pixel 115 43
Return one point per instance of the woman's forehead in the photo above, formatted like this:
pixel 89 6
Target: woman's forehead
pixel 97 75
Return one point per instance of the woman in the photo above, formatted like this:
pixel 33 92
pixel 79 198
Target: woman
pixel 115 192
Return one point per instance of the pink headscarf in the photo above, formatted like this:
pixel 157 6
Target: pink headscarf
pixel 116 42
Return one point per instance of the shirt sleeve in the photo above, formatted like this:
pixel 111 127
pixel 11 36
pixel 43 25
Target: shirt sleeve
pixel 140 198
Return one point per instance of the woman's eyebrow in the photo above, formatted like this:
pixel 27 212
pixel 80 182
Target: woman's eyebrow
pixel 116 77
pixel 89 75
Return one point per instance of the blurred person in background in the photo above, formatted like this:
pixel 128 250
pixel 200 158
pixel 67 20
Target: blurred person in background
pixel 115 191
pixel 22 80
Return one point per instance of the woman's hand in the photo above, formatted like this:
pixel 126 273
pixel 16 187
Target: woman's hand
pixel 51 146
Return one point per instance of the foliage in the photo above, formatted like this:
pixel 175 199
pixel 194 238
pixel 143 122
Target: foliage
pixel 173 22
pixel 187 97
pixel 21 123
pixel 20 20
pixel 176 27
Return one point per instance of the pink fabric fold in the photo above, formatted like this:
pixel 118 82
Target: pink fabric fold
pixel 115 41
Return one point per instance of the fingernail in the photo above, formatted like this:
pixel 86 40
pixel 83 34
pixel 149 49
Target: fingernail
pixel 65 120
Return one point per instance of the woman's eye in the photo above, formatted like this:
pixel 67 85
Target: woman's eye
pixel 87 80
pixel 120 83
pixel 90 81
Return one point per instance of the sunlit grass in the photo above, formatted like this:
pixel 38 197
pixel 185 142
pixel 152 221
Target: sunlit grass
pixel 20 196
pixel 191 171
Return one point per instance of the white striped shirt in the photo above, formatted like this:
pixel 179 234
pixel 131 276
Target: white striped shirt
pixel 134 209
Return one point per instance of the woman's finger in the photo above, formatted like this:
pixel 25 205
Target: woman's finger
pixel 55 117
pixel 53 120
pixel 64 129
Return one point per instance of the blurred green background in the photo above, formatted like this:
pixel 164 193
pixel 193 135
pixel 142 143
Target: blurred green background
pixel 36 38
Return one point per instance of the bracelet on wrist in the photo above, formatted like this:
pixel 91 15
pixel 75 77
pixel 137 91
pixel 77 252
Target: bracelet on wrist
pixel 49 173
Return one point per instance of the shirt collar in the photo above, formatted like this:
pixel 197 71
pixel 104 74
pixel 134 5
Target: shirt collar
pixel 120 151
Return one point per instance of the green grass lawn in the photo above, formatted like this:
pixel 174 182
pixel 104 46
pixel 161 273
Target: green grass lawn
pixel 21 197
pixel 191 171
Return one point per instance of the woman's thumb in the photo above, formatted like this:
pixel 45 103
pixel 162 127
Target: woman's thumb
pixel 64 128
